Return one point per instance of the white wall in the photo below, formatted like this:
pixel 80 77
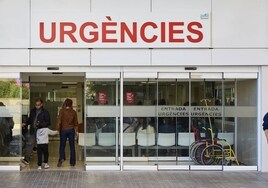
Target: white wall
pixel 121 6
pixel 238 31
pixel 239 24
pixel 119 57
pixel 14 57
pixel 239 56
pixel 14 24
pixel 59 57
pixel 181 5
pixel 181 57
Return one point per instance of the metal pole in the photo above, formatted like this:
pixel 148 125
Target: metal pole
pixel 121 120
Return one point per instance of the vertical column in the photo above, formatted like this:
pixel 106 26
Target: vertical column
pixel 79 95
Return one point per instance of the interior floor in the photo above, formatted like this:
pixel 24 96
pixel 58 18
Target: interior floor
pixel 53 158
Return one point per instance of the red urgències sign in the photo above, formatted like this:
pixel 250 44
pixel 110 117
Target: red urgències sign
pixel 176 32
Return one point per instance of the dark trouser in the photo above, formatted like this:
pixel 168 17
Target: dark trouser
pixel 42 149
pixel 70 134
pixel 30 143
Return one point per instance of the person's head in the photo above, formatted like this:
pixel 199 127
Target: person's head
pixel 38 103
pixel 68 103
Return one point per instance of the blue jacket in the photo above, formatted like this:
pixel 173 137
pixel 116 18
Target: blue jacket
pixel 43 118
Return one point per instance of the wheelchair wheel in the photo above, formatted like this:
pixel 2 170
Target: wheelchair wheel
pixel 192 146
pixel 198 152
pixel 212 155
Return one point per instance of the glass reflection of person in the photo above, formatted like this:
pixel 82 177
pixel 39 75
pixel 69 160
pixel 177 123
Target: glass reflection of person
pixel 6 126
pixel 39 118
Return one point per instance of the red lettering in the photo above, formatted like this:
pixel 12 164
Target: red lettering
pixel 150 32
pixel 131 34
pixel 106 31
pixel 92 33
pixel 173 31
pixel 64 31
pixel 53 33
pixel 191 29
pixel 142 32
pixel 163 32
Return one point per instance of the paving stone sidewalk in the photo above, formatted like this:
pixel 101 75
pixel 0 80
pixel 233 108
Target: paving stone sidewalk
pixel 132 179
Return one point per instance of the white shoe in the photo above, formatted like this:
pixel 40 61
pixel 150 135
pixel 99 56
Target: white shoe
pixel 46 166
pixel 39 168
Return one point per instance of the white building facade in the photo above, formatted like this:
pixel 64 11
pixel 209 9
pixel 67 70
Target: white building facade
pixel 170 65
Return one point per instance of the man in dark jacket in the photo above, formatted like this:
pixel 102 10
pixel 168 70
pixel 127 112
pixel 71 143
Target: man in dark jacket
pixel 39 118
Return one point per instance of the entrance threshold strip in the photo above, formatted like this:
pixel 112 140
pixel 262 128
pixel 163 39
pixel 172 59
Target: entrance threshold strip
pixel 15 168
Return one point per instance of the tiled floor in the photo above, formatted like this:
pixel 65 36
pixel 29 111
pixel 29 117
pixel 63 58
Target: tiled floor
pixel 144 179
pixel 53 159
pixel 75 177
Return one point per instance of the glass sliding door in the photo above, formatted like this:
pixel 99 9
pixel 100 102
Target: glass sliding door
pixel 139 123
pixel 101 135
pixel 10 121
pixel 240 126
pixel 196 121
pixel 247 126
pixel 206 113
pixel 174 137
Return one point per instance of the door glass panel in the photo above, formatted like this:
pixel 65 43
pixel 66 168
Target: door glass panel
pixel 206 120
pixel 173 137
pixel 102 122
pixel 240 125
pixel 10 121
pixel 229 130
pixel 139 122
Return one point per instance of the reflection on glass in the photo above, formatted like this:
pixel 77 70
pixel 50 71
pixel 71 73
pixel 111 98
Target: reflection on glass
pixel 162 125
pixel 140 93
pixel 102 122
pixel 10 139
pixel 140 125
pixel 101 93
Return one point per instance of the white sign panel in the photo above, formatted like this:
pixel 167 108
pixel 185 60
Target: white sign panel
pixel 88 30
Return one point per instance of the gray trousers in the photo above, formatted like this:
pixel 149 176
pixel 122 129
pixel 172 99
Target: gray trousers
pixel 30 143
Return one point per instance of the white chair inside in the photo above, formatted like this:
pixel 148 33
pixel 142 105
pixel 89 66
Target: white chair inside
pixel 229 137
pixel 129 139
pixel 86 139
pixel 106 139
pixel 185 139
pixel 145 139
pixel 166 139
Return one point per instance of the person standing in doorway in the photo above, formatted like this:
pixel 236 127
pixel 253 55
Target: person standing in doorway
pixel 67 125
pixel 42 146
pixel 39 118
